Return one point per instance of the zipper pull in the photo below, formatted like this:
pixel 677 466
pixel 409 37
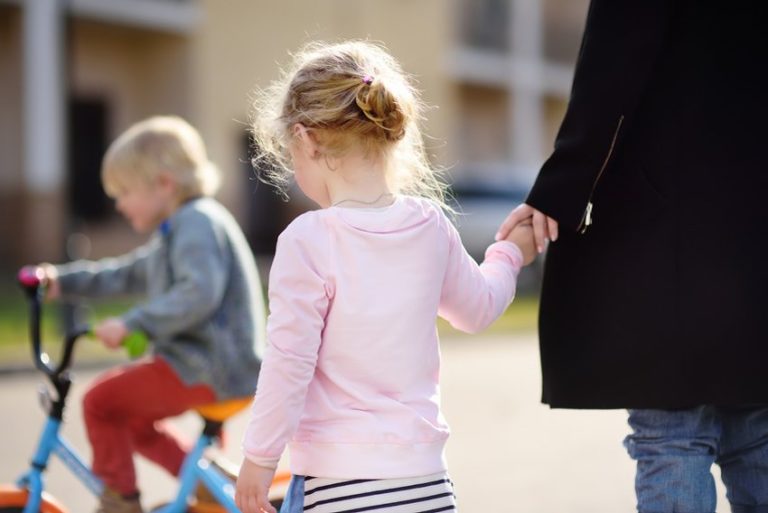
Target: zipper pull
pixel 587 222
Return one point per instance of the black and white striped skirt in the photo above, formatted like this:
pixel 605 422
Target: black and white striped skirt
pixel 425 494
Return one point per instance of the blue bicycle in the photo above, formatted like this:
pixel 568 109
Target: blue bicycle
pixel 28 494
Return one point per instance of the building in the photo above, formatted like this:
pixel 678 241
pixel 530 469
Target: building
pixel 75 73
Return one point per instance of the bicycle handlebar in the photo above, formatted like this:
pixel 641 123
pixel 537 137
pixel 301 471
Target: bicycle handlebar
pixel 32 280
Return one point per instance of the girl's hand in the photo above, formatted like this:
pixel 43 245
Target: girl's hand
pixel 52 287
pixel 111 332
pixel 252 492
pixel 544 228
pixel 522 236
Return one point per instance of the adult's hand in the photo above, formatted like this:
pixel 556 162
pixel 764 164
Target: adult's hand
pixel 544 228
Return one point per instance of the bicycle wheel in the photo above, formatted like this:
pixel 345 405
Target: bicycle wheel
pixel 13 499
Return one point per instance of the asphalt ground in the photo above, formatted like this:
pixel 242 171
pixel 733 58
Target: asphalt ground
pixel 507 452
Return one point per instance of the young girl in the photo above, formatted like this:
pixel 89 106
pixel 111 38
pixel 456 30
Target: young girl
pixel 350 377
pixel 203 310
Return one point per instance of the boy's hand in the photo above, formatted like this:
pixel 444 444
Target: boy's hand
pixel 52 287
pixel 111 332
pixel 252 492
pixel 522 236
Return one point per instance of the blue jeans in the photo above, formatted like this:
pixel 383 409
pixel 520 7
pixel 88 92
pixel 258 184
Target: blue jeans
pixel 675 450
pixel 294 497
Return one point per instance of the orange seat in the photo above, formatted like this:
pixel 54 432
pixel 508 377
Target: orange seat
pixel 222 410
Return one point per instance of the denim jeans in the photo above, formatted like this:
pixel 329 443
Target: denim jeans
pixel 294 497
pixel 675 451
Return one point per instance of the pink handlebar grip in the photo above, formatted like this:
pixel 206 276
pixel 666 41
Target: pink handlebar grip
pixel 31 276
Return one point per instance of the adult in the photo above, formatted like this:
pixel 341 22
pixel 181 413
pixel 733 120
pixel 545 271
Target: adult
pixel 656 288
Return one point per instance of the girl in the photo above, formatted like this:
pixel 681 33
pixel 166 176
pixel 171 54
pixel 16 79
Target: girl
pixel 351 374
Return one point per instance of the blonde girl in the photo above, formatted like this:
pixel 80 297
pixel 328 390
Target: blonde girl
pixel 350 379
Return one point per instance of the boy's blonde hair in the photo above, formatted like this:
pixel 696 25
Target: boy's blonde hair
pixel 156 145
pixel 349 95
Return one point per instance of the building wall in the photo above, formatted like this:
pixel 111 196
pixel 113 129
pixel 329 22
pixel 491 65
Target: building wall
pixel 239 48
pixel 208 73
pixel 140 72
pixel 10 98
pixel 10 133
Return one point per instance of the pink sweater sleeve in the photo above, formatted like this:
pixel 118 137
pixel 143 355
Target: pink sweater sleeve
pixel 473 295
pixel 298 305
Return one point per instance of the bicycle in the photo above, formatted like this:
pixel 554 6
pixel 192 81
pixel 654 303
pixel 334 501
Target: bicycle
pixel 28 494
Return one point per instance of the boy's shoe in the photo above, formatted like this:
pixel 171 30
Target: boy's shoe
pixel 111 501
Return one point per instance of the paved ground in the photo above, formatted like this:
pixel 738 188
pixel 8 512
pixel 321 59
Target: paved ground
pixel 507 453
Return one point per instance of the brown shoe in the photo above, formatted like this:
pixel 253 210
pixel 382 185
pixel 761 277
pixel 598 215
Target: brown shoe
pixel 112 502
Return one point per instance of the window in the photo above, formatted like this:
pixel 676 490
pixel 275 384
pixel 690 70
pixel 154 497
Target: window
pixel 87 145
pixel 563 26
pixel 485 24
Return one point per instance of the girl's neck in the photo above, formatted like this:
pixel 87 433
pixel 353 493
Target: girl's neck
pixel 359 183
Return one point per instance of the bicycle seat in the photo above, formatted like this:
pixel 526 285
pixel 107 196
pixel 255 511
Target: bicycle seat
pixel 222 410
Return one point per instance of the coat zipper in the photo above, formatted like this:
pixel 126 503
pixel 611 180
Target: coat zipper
pixel 586 219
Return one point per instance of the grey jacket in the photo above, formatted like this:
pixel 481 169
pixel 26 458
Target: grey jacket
pixel 204 311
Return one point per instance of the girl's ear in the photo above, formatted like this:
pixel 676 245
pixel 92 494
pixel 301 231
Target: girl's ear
pixel 305 140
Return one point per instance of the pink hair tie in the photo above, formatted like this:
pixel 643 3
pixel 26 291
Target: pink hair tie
pixel 367 79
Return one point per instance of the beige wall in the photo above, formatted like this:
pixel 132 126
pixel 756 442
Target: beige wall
pixel 239 47
pixel 208 75
pixel 140 73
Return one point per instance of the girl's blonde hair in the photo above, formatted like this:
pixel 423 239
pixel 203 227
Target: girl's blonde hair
pixel 349 95
pixel 160 144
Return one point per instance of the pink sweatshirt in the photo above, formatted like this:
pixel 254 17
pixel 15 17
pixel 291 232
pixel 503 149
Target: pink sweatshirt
pixel 350 377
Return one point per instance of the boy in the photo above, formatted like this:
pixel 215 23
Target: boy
pixel 203 313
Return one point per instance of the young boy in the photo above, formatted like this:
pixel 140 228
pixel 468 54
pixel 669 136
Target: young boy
pixel 204 307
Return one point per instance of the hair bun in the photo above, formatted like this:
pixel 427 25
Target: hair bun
pixel 379 105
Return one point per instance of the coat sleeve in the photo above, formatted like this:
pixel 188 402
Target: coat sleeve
pixel 621 42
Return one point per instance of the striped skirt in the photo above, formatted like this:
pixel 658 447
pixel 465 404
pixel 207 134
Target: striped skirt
pixel 426 494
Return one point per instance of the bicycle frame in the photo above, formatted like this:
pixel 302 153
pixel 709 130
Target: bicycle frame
pixel 195 469
pixel 51 442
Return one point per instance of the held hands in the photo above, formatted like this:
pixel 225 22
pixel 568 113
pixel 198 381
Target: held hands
pixel 252 491
pixel 522 236
pixel 111 332
pixel 545 228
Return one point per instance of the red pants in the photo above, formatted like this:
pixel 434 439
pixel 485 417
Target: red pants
pixel 123 410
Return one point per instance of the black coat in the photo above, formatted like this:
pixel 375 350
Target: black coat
pixel 662 301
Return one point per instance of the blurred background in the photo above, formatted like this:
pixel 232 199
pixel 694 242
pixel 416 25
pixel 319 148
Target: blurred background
pixel 497 73
pixel 76 73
